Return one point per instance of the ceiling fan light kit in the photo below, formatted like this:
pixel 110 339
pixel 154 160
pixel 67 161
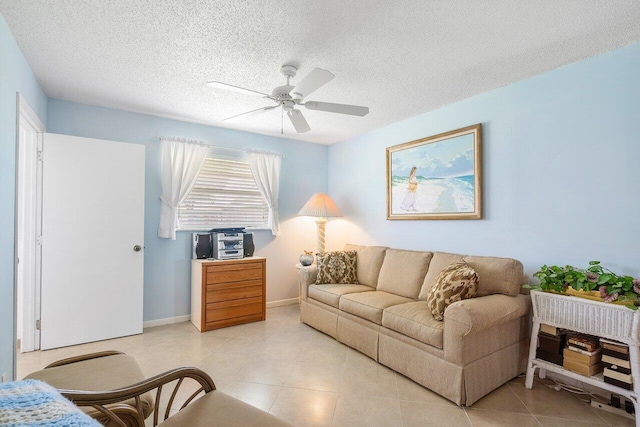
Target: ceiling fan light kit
pixel 288 97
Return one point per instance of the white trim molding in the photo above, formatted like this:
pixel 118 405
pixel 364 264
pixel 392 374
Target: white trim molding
pixel 24 108
pixel 187 317
pixel 166 321
pixel 282 302
pixel 30 313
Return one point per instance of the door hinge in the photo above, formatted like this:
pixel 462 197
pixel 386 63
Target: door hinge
pixel 40 155
pixel 39 240
pixel 38 325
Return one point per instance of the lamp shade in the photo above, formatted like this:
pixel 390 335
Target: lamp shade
pixel 320 205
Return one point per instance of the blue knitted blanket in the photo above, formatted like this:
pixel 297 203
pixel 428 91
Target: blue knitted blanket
pixel 34 403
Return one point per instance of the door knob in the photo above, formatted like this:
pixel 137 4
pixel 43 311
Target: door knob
pixel 137 248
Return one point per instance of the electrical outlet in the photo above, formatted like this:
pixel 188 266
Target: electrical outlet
pixel 4 377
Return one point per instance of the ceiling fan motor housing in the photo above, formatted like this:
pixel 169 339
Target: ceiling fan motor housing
pixel 297 96
pixel 281 94
pixel 288 71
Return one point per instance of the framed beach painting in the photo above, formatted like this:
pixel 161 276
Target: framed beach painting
pixel 438 177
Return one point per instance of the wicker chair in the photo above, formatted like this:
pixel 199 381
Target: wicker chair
pixel 128 405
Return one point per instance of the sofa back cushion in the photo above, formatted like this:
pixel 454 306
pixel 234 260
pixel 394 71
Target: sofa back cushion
pixel 369 262
pixel 497 275
pixel 403 272
pixel 440 261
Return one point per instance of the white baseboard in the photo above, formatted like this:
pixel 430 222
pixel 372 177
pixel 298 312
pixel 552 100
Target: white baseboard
pixel 282 302
pixel 186 318
pixel 166 321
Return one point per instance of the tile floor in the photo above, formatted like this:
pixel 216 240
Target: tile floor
pixel 307 378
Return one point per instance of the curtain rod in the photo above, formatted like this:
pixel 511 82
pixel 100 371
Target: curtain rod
pixel 195 141
pixel 249 150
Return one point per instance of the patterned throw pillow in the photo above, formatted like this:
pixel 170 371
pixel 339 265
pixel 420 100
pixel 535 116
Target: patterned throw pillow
pixel 337 267
pixel 456 282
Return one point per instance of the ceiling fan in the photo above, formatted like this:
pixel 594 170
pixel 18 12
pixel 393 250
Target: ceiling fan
pixel 288 97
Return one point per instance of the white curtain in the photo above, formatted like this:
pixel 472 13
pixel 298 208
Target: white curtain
pixel 266 172
pixel 180 165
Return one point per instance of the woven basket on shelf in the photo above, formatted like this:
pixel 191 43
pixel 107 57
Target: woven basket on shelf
pixel 606 320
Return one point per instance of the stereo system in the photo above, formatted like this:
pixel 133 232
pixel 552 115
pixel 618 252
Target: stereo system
pixel 228 245
pixel 223 243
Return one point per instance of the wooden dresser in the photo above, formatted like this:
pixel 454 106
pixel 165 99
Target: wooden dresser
pixel 227 293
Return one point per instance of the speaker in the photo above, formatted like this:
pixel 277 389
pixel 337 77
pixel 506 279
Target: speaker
pixel 201 246
pixel 249 247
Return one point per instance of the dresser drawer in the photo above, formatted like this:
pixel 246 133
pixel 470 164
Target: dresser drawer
pixel 234 308
pixel 225 276
pixel 234 290
pixel 232 266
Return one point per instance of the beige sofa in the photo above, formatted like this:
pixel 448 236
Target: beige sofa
pixel 481 344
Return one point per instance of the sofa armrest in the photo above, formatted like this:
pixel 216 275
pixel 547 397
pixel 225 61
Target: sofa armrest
pixel 476 327
pixel 475 314
pixel 307 276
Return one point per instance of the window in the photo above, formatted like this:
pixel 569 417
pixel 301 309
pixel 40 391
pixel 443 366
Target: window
pixel 225 195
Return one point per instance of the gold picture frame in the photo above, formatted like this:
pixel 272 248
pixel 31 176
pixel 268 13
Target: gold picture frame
pixel 438 177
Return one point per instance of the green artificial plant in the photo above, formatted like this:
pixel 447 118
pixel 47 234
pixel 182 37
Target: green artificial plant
pixel 611 287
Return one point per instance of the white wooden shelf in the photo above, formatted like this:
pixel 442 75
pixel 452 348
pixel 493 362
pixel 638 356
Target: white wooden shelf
pixel 581 315
pixel 594 380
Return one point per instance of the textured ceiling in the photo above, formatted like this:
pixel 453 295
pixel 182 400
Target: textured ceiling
pixel 400 58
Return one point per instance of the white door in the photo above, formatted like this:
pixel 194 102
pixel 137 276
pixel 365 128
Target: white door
pixel 92 233
pixel 28 225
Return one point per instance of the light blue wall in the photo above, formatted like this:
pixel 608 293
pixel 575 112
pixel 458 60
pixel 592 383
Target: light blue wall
pixel 561 176
pixel 167 263
pixel 15 76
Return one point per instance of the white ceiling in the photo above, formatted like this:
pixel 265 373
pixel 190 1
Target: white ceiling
pixel 400 58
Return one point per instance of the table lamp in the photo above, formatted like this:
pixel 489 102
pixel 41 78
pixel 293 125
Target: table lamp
pixel 320 206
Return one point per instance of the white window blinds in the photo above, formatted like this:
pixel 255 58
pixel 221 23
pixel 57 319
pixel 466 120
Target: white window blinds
pixel 224 195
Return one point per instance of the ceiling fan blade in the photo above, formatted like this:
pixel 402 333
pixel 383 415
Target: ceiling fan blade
pixel 232 88
pixel 353 110
pixel 298 121
pixel 256 111
pixel 312 82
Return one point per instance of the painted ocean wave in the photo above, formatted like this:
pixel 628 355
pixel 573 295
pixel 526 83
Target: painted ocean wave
pixel 435 195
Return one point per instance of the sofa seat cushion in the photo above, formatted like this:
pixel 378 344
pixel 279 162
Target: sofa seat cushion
pixel 370 305
pixel 414 319
pixel 330 294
